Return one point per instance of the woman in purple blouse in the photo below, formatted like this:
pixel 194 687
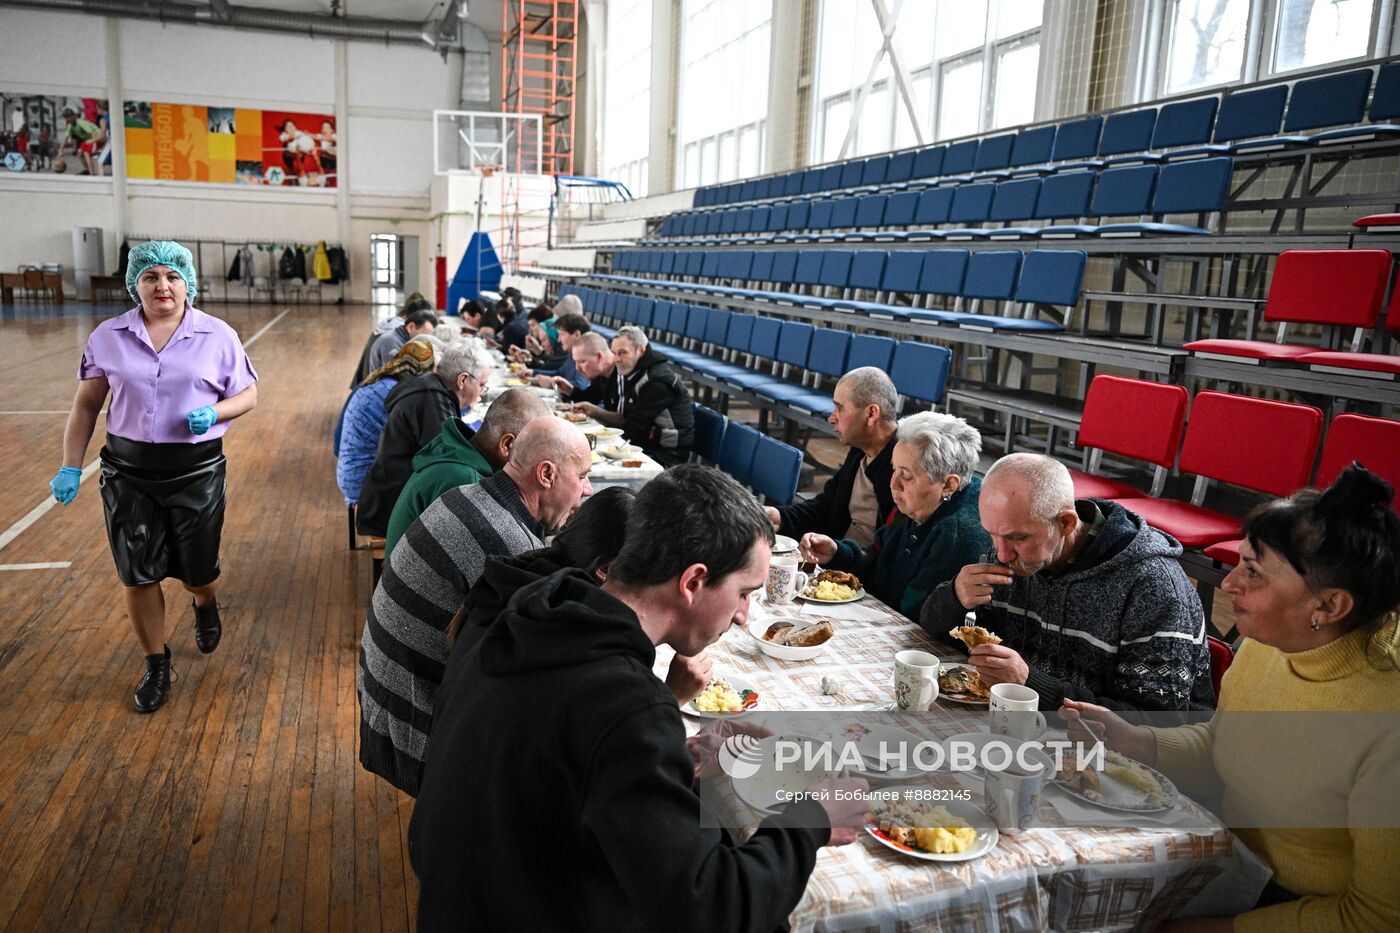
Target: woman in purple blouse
pixel 177 378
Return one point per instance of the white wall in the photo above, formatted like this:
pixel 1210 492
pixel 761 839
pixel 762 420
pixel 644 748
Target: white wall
pixel 386 140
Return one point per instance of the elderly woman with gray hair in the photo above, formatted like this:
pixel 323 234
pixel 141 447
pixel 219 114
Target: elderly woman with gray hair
pixel 937 529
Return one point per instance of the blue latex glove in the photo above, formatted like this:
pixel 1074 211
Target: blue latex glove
pixel 202 419
pixel 64 485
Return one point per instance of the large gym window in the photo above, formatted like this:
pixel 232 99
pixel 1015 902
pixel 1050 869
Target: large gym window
pixel 724 89
pixel 1205 43
pixel 627 94
pixel 952 68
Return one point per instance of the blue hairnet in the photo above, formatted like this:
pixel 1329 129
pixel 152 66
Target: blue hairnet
pixel 161 253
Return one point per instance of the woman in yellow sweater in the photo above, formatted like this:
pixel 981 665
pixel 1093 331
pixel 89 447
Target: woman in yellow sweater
pixel 1315 595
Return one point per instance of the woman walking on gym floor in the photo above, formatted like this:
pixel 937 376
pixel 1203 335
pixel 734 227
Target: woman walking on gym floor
pixel 177 377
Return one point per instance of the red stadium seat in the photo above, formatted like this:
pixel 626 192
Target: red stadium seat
pixel 1255 443
pixel 1374 442
pixel 1134 418
pixel 1221 657
pixel 1227 552
pixel 1331 287
pixel 1365 362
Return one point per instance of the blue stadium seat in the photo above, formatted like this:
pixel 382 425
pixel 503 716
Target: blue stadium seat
pixel 1034 146
pixel 843 213
pixel 785 266
pixel 717 328
pixel 798 215
pixel 900 209
pixel 1078 139
pixel 819 214
pixel 764 343
pixel 991 274
pixel 961 158
pixel 792 183
pixel 867 269
pixel 697 319
pixel 901 167
pixel 1252 116
pixel 1052 277
pixel 871 350
pixel 1331 100
pixel 1065 196
pixel 1185 123
pixel 794 343
pixel 762 268
pixel 943 271
pixel 828 352
pixel 994 153
pixel 811 181
pixel 902 271
pixel 875 170
pixel 709 433
pixel 809 267
pixel 870 211
pixel 1128 133
pixel 920 370
pixel 850 174
pixel 836 268
pixel 736 450
pixel 776 469
pixel 928 163
pixel 971 203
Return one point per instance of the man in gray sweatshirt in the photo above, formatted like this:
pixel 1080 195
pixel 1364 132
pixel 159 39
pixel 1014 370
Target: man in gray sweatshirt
pixel 1089 601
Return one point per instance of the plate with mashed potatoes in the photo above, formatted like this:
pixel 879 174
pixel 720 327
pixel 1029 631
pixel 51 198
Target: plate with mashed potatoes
pixel 833 586
pixel 1123 784
pixel 725 697
pixel 935 831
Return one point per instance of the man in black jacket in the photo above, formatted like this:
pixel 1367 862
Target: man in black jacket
pixel 560 791
pixel 656 411
pixel 417 408
pixel 856 501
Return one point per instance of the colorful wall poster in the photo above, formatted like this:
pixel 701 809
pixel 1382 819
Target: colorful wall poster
pixel 232 145
pixel 55 135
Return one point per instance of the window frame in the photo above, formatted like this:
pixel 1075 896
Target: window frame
pixel 1260 47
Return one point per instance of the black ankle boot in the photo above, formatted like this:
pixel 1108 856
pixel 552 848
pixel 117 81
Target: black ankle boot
pixel 150 693
pixel 207 627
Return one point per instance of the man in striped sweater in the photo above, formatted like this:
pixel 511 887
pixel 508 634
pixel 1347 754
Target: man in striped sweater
pixel 442 555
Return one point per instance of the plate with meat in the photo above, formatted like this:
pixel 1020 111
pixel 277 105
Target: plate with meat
pixel 960 683
pixel 833 587
pixel 790 641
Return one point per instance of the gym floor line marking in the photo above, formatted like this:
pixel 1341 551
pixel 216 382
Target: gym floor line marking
pixel 38 512
pixel 47 565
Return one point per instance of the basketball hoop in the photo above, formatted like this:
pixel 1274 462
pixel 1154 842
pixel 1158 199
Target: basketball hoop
pixel 487 171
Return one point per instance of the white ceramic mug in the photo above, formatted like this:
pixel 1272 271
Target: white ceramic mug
pixel 1013 795
pixel 915 680
pixel 785 581
pixel 1012 712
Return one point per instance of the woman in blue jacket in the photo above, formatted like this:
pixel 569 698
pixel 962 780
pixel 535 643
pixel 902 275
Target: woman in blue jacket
pixel 936 529
pixel 362 419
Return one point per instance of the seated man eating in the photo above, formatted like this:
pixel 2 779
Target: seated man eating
pixel 1088 600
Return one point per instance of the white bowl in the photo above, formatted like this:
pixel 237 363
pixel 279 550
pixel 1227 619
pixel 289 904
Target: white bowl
pixel 758 624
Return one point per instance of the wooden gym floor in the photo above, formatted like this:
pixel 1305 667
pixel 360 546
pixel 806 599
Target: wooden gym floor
pixel 241 804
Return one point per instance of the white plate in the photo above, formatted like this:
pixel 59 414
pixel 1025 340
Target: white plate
pixel 985 826
pixel 978 740
pixel 893 738
pixel 1121 797
pixel 758 624
pixel 860 594
pixel 603 432
pixel 760 790
pixel 782 544
pixel 740 683
pixel 960 699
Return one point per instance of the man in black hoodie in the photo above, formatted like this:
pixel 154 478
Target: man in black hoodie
pixel 559 791
pixel 417 408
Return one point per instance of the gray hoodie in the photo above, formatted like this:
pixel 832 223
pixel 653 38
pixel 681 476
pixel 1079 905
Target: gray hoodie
pixel 1121 627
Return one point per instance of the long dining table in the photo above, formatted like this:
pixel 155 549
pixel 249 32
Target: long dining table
pixel 1064 873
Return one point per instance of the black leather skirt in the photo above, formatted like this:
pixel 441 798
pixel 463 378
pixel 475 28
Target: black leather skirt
pixel 164 505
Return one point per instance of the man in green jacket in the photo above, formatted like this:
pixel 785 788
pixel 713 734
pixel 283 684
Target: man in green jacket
pixel 459 457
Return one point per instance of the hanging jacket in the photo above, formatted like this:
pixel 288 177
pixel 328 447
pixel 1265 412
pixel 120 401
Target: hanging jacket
pixel 321 263
pixel 287 265
pixel 122 259
pixel 340 266
pixel 249 269
pixel 298 263
pixel 235 268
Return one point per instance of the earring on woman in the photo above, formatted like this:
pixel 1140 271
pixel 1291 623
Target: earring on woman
pixel 1315 625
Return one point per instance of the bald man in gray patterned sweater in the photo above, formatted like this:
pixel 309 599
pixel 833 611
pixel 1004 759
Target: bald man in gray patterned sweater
pixel 1089 601
pixel 404 645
